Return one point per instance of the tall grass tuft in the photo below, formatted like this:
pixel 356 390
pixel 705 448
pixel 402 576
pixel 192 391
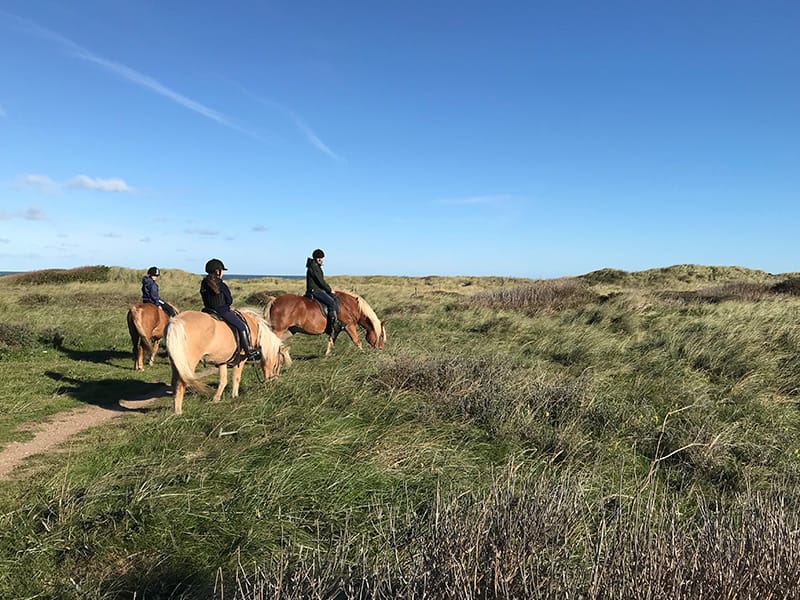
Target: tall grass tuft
pixel 542 295
pixel 541 535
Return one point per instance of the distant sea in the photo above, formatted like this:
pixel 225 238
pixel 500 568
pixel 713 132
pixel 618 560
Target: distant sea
pixel 237 276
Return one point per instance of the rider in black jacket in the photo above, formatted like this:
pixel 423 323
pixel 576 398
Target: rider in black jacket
pixel 318 288
pixel 217 298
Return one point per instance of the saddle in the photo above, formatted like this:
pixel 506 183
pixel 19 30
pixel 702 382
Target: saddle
pixel 329 328
pixel 238 353
pixel 319 304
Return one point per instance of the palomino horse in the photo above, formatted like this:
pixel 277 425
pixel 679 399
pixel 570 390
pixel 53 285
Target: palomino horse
pixel 146 324
pixel 290 313
pixel 194 335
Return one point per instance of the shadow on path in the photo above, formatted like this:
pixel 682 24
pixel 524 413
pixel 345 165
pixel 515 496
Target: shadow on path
pixel 107 393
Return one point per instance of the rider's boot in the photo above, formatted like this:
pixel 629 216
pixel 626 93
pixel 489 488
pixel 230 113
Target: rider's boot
pixel 249 352
pixel 330 323
pixel 338 325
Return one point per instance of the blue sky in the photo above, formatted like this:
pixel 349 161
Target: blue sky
pixel 525 139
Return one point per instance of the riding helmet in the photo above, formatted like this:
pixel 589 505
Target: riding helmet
pixel 318 254
pixel 215 264
pixel 153 271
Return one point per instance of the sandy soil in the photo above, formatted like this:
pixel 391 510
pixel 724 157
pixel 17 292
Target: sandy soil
pixel 51 434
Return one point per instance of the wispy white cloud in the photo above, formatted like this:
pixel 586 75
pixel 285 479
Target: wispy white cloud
pixel 31 214
pixel 34 214
pixel 260 228
pixel 201 231
pixel 3 112
pixel 103 185
pixel 488 199
pixel 299 122
pixel 44 183
pixel 125 72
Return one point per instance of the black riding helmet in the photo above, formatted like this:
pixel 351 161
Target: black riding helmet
pixel 153 271
pixel 318 254
pixel 215 264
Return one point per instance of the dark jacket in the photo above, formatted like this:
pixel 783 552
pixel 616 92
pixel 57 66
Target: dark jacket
pixel 150 291
pixel 315 280
pixel 220 302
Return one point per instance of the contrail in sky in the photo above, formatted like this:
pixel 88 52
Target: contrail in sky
pixel 298 121
pixel 125 72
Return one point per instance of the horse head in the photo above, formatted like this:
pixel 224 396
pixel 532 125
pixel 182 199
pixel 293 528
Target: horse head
pixel 376 338
pixel 376 331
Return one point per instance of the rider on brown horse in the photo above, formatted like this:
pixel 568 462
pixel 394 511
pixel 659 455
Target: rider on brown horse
pixel 318 289
pixel 217 299
pixel 150 291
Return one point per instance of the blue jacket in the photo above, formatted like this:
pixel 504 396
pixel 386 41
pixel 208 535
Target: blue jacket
pixel 150 291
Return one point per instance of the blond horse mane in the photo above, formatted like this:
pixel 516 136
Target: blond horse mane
pixel 272 347
pixel 366 309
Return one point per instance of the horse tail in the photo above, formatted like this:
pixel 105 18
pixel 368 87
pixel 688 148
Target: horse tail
pixel 132 328
pixel 267 309
pixel 176 348
pixel 135 319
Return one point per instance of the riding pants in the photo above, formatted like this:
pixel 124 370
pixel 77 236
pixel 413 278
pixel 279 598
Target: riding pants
pixel 329 300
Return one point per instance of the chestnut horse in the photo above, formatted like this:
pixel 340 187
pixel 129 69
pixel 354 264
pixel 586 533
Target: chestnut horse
pixel 290 313
pixel 146 324
pixel 194 335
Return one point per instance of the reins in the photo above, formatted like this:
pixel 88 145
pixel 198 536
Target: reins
pixel 259 375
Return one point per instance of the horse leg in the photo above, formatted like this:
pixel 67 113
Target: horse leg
pixel 223 381
pixel 155 351
pixel 178 390
pixel 138 356
pixel 352 331
pixel 237 379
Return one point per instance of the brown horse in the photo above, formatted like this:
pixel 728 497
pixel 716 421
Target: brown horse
pixel 194 335
pixel 289 314
pixel 146 324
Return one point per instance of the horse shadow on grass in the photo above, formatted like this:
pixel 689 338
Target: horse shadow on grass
pixel 108 393
pixel 101 357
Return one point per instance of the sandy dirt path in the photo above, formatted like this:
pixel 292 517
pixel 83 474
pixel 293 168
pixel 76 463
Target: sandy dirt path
pixel 60 428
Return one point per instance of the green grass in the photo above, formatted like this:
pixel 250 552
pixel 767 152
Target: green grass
pixel 517 438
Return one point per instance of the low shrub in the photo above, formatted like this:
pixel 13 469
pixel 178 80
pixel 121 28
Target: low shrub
pixel 17 335
pixel 789 286
pixel 741 291
pixel 36 300
pixel 59 276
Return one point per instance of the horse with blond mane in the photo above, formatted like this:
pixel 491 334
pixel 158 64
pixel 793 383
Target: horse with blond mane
pixel 192 336
pixel 146 323
pixel 290 313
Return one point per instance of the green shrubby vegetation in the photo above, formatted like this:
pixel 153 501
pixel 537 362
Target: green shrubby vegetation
pixel 588 437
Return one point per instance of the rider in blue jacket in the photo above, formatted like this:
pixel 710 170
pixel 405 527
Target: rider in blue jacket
pixel 150 291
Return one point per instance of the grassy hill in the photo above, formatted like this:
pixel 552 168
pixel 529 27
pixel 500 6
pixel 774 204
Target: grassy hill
pixel 582 437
